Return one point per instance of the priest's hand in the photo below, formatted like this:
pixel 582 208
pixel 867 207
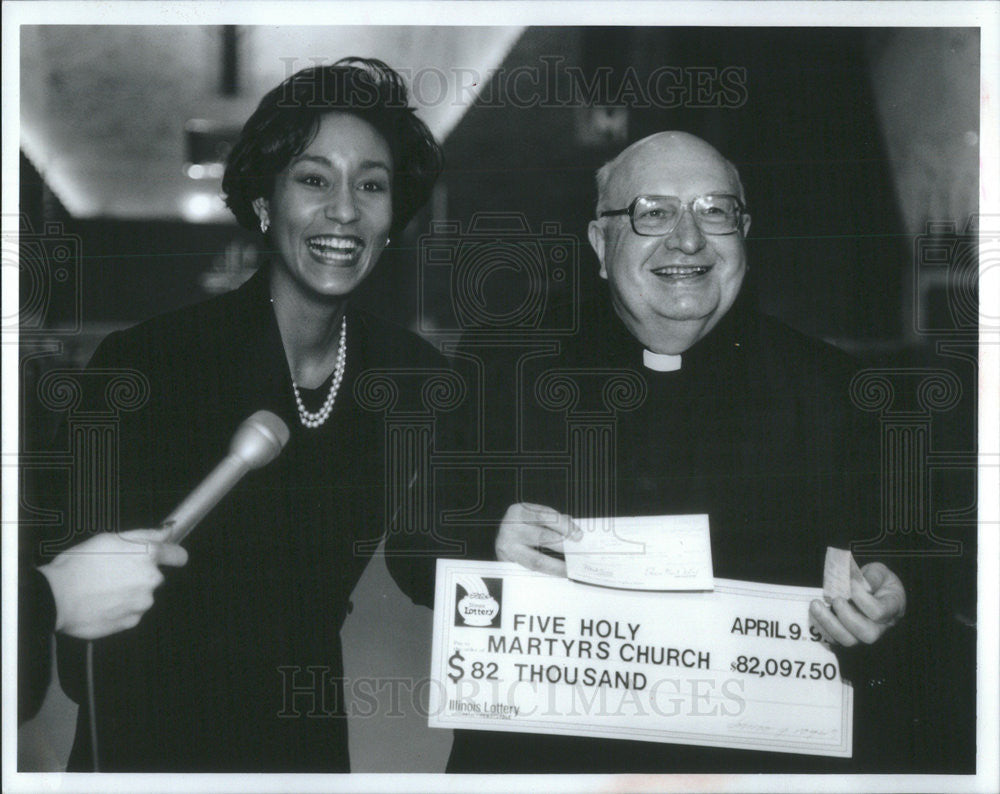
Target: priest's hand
pixel 877 603
pixel 526 529
pixel 105 584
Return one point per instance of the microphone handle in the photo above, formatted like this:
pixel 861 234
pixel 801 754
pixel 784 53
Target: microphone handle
pixel 203 498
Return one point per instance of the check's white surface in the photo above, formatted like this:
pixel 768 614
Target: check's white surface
pixel 736 667
pixel 642 552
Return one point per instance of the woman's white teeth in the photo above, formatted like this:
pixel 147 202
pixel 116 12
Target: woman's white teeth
pixel 335 247
pixel 680 270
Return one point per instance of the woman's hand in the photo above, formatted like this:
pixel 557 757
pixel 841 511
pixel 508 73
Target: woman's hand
pixel 876 605
pixel 105 584
pixel 526 529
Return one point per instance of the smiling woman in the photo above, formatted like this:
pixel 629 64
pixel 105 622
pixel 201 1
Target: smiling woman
pixel 331 210
pixel 332 162
pixel 239 652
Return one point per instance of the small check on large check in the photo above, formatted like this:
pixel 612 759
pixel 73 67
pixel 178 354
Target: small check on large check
pixel 739 666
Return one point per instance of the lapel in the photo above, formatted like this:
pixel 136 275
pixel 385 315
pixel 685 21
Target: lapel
pixel 253 356
pixel 257 370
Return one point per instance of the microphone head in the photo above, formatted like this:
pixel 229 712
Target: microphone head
pixel 259 439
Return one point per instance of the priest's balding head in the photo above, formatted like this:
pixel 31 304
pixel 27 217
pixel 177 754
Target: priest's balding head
pixel 669 235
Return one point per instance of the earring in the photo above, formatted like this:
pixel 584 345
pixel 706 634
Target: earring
pixel 265 224
pixel 388 240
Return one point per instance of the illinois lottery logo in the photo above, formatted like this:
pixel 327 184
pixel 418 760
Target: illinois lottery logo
pixel 477 601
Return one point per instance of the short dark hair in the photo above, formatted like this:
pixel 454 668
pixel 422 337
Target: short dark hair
pixel 287 119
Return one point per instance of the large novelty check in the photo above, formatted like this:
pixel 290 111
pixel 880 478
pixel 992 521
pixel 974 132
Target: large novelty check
pixel 738 667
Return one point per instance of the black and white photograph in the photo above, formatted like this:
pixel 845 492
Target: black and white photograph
pixel 448 396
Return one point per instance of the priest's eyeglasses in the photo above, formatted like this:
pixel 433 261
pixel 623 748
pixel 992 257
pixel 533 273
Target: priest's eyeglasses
pixel 653 216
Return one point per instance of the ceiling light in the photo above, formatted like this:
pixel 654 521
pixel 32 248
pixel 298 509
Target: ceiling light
pixel 201 207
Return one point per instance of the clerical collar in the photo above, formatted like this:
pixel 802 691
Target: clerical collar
pixel 660 362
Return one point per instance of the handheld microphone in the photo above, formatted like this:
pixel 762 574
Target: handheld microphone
pixel 258 440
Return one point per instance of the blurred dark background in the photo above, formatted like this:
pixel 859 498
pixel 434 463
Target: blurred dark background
pixel 858 149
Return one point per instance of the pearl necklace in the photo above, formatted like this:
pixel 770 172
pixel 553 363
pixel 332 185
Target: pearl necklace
pixel 313 420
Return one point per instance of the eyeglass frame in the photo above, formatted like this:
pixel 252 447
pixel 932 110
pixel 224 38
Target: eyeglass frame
pixel 685 206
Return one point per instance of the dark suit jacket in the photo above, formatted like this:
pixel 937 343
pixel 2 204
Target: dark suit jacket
pixel 237 666
pixel 757 430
